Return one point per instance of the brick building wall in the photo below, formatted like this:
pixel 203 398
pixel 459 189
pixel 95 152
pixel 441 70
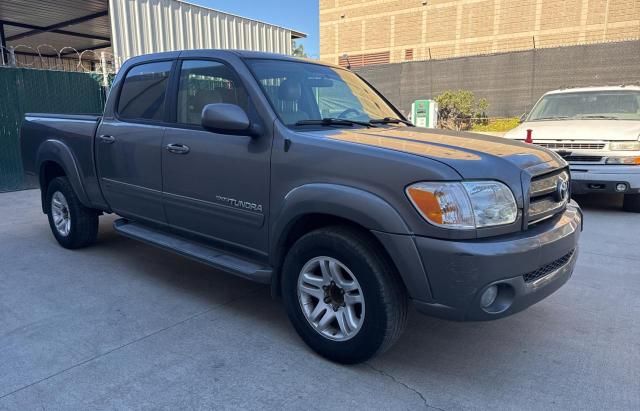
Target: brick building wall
pixel 389 31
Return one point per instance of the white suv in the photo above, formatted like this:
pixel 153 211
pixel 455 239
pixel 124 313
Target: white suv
pixel 597 131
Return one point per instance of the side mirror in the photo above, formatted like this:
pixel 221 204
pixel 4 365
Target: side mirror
pixel 227 119
pixel 523 117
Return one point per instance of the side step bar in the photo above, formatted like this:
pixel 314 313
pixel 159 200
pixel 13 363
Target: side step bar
pixel 192 249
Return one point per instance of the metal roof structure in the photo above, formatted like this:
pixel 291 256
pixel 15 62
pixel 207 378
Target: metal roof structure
pixel 48 27
pixel 69 27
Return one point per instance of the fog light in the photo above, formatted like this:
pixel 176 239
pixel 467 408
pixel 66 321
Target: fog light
pixel 621 187
pixel 489 296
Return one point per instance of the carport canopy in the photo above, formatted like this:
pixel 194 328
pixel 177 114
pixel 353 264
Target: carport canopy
pixel 54 28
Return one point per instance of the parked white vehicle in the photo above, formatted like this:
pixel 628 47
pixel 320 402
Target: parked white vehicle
pixel 597 131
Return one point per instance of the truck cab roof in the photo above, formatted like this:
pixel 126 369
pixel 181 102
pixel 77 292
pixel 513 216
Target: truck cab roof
pixel 243 54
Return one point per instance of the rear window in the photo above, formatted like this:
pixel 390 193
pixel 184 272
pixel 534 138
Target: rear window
pixel 143 92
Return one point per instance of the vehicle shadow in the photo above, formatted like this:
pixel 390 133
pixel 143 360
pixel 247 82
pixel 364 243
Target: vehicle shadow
pixel 196 280
pixel 429 348
pixel 164 265
pixel 600 201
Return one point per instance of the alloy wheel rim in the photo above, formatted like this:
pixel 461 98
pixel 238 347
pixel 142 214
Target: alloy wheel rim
pixel 60 213
pixel 331 298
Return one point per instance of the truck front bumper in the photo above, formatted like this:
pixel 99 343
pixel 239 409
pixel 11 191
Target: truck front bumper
pixel 525 267
pixel 604 179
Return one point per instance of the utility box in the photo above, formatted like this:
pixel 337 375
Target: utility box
pixel 424 113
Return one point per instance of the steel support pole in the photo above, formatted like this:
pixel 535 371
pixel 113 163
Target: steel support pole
pixel 3 46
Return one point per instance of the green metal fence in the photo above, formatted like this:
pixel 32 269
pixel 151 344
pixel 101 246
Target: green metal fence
pixel 42 91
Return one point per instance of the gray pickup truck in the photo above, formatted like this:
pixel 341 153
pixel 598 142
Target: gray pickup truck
pixel 302 176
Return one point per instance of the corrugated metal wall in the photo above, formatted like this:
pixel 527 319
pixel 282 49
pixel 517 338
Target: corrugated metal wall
pixel 148 26
pixel 44 91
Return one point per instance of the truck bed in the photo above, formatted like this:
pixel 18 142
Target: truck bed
pixel 71 133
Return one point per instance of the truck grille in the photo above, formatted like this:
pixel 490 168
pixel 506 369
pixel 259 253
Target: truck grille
pixel 548 195
pixel 584 159
pixel 549 268
pixel 572 146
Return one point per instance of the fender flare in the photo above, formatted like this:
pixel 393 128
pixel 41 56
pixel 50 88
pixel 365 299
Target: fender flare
pixel 57 152
pixel 353 204
pixel 361 207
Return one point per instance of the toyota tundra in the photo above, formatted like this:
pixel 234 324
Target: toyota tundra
pixel 301 175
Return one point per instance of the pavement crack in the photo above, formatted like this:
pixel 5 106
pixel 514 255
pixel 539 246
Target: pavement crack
pixel 408 387
pixel 144 337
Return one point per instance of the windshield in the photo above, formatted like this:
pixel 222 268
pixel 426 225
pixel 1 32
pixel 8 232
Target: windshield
pixel 302 93
pixel 614 105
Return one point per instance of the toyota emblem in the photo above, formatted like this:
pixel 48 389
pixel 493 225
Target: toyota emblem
pixel 562 191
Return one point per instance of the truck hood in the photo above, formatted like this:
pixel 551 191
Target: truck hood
pixel 473 156
pixel 607 130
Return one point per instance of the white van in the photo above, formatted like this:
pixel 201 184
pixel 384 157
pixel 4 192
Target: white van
pixel 597 131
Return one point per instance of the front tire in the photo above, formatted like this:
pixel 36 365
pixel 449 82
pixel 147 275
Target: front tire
pixel 632 203
pixel 72 224
pixel 342 294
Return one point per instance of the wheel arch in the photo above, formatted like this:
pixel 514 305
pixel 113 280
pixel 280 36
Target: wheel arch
pixel 55 159
pixel 314 206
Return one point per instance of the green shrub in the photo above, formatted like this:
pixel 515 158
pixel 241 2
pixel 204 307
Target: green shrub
pixel 459 110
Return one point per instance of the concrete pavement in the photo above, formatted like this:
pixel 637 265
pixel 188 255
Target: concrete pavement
pixel 124 325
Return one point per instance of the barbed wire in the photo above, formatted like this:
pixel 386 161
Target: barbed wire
pixel 45 56
pixel 428 53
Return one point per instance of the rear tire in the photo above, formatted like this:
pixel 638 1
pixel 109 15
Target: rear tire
pixel 361 307
pixel 632 203
pixel 72 224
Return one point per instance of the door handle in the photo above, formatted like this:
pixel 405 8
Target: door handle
pixel 178 148
pixel 107 139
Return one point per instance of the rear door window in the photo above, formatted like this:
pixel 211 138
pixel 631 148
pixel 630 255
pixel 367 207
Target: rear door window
pixel 144 91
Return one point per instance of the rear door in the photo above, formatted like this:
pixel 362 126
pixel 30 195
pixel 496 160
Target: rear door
pixel 217 186
pixel 129 143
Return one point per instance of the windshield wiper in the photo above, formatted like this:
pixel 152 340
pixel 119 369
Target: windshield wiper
pixel 551 118
pixel 330 121
pixel 390 120
pixel 599 117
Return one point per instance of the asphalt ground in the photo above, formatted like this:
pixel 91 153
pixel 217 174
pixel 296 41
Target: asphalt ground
pixel 123 325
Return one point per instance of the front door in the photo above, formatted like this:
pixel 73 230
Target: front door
pixel 129 144
pixel 215 185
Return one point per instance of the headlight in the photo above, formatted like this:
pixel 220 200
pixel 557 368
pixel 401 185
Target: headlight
pixel 624 146
pixel 464 206
pixel 624 160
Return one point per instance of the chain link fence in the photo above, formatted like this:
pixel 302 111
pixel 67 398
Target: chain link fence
pixel 24 90
pixel 510 82
pixel 44 79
